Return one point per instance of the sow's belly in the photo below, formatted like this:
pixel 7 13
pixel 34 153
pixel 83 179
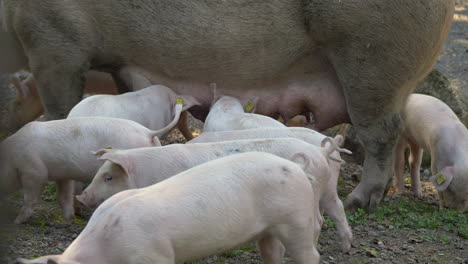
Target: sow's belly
pixel 247 48
pixel 307 85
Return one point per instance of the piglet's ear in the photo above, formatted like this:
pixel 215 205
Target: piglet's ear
pixel 118 159
pixel 442 179
pixel 101 152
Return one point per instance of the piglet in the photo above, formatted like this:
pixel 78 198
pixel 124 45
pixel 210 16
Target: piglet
pixel 329 202
pixel 137 168
pixel 227 113
pixel 433 127
pixel 61 151
pixel 152 107
pixel 211 208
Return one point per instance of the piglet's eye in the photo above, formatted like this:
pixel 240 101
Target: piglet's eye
pixel 108 177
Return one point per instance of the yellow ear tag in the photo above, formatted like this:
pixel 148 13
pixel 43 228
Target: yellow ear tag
pixel 249 107
pixel 440 178
pixel 109 148
pixel 180 101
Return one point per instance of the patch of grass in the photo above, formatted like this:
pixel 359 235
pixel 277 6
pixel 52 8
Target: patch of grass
pixel 39 222
pixel 432 236
pixel 51 191
pixel 79 221
pixel 233 253
pixel 329 222
pixel 220 259
pixel 415 215
pixel 357 218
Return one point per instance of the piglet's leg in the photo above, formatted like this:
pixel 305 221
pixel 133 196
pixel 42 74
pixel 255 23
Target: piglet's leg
pixel 301 245
pixel 65 191
pixel 335 209
pixel 32 195
pixel 414 160
pixel 271 249
pixel 399 178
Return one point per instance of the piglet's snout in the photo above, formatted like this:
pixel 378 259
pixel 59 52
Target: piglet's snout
pixel 84 200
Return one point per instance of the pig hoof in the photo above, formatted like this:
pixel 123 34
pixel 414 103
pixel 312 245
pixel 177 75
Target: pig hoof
pixel 20 219
pixel 353 203
pixel 418 194
pixel 369 201
pixel 346 247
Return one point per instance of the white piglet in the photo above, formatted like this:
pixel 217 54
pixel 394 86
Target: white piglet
pixel 152 107
pixel 227 113
pixel 211 208
pixel 137 168
pixel 329 202
pixel 433 127
pixel 61 151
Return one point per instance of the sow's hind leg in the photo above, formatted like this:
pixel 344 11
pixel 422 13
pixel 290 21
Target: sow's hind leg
pixel 60 84
pixel 378 60
pixel 59 51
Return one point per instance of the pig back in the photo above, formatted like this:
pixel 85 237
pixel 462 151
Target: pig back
pixel 269 37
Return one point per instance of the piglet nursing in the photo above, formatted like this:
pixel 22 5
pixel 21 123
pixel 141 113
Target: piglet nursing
pixel 208 209
pixel 227 113
pixel 152 107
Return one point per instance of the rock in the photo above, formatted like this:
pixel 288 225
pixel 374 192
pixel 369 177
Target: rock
pixel 372 233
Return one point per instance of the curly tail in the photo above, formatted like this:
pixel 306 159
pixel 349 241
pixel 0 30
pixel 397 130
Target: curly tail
pixel 333 146
pixel 158 133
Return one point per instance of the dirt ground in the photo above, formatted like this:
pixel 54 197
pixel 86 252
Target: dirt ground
pixel 403 230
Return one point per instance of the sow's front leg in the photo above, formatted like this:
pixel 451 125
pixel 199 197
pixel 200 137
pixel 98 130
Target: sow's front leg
pixel 378 60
